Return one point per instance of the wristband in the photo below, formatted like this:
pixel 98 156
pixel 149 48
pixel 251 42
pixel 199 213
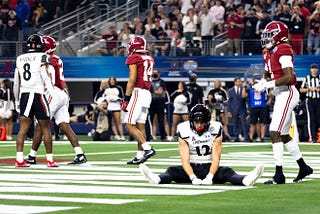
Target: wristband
pixel 193 176
pixel 126 98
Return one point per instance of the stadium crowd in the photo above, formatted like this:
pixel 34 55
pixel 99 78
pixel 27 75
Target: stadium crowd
pixel 183 27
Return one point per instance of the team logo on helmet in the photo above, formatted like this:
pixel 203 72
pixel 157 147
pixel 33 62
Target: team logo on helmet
pixel 274 33
pixel 137 45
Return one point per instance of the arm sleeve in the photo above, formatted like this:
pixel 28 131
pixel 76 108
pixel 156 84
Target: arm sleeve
pixel 16 85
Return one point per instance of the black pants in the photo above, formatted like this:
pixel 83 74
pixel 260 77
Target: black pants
pixel 157 108
pixel 178 175
pixel 313 106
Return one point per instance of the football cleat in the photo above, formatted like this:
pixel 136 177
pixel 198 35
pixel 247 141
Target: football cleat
pixel 51 164
pixel 79 159
pixel 30 159
pixel 253 176
pixel 21 164
pixel 147 154
pixel 278 178
pixel 303 172
pixel 150 176
pixel 135 160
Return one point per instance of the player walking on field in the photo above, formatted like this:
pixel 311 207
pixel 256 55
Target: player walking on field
pixel 30 76
pixel 137 98
pixel 59 105
pixel 279 75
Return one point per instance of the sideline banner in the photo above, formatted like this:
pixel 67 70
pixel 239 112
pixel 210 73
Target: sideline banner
pixel 95 68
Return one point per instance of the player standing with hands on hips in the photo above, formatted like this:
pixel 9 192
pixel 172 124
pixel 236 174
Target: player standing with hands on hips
pixel 138 97
pixel 279 75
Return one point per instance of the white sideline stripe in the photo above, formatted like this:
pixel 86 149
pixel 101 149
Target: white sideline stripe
pixel 57 188
pixel 68 199
pixel 15 209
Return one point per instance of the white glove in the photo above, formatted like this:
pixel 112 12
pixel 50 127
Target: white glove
pixel 195 180
pixel 208 179
pixel 263 85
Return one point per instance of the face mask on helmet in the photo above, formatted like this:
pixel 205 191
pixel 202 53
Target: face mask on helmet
pixel 36 43
pixel 273 34
pixel 201 114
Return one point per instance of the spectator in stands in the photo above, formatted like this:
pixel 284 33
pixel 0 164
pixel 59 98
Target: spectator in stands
pixel 150 24
pixel 150 41
pixel 11 35
pixel 71 5
pixel 313 34
pixel 137 27
pixel 207 23
pixel 157 28
pixel 6 112
pixel 159 13
pixel 86 39
pixel 185 5
pixel 251 41
pixel 101 132
pixel 114 95
pixel 23 12
pixel 218 12
pixel 174 13
pixel 50 11
pixel 178 45
pixel 264 21
pixel 174 30
pixel 162 45
pixel 237 109
pixel 195 89
pixel 285 15
pixel 297 30
pixel 194 47
pixel 234 26
pixel 189 22
pixel 181 100
pixel 124 37
pixel 110 39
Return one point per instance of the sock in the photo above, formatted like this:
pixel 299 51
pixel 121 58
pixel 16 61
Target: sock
pixel 33 153
pixel 78 150
pixel 301 163
pixel 294 150
pixel 279 169
pixel 49 157
pixel 139 154
pixel 19 157
pixel 146 146
pixel 278 153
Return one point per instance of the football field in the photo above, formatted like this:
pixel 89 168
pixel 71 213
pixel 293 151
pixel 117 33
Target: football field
pixel 106 184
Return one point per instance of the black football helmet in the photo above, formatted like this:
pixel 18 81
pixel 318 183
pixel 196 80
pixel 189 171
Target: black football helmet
pixel 199 113
pixel 36 43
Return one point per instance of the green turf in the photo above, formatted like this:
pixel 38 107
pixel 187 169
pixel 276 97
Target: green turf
pixel 281 199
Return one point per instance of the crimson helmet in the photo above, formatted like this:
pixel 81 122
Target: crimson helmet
pixel 50 44
pixel 199 113
pixel 137 44
pixel 274 33
pixel 35 43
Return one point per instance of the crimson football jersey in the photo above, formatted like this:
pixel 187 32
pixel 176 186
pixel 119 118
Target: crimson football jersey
pixel 271 60
pixel 58 78
pixel 144 69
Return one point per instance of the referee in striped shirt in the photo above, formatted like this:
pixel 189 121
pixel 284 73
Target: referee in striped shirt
pixel 311 86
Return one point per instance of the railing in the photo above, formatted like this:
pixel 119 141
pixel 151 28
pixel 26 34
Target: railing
pixel 215 47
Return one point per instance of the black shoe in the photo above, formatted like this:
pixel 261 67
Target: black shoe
pixel 278 178
pixel 303 172
pixel 30 159
pixel 147 154
pixel 79 159
pixel 135 160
